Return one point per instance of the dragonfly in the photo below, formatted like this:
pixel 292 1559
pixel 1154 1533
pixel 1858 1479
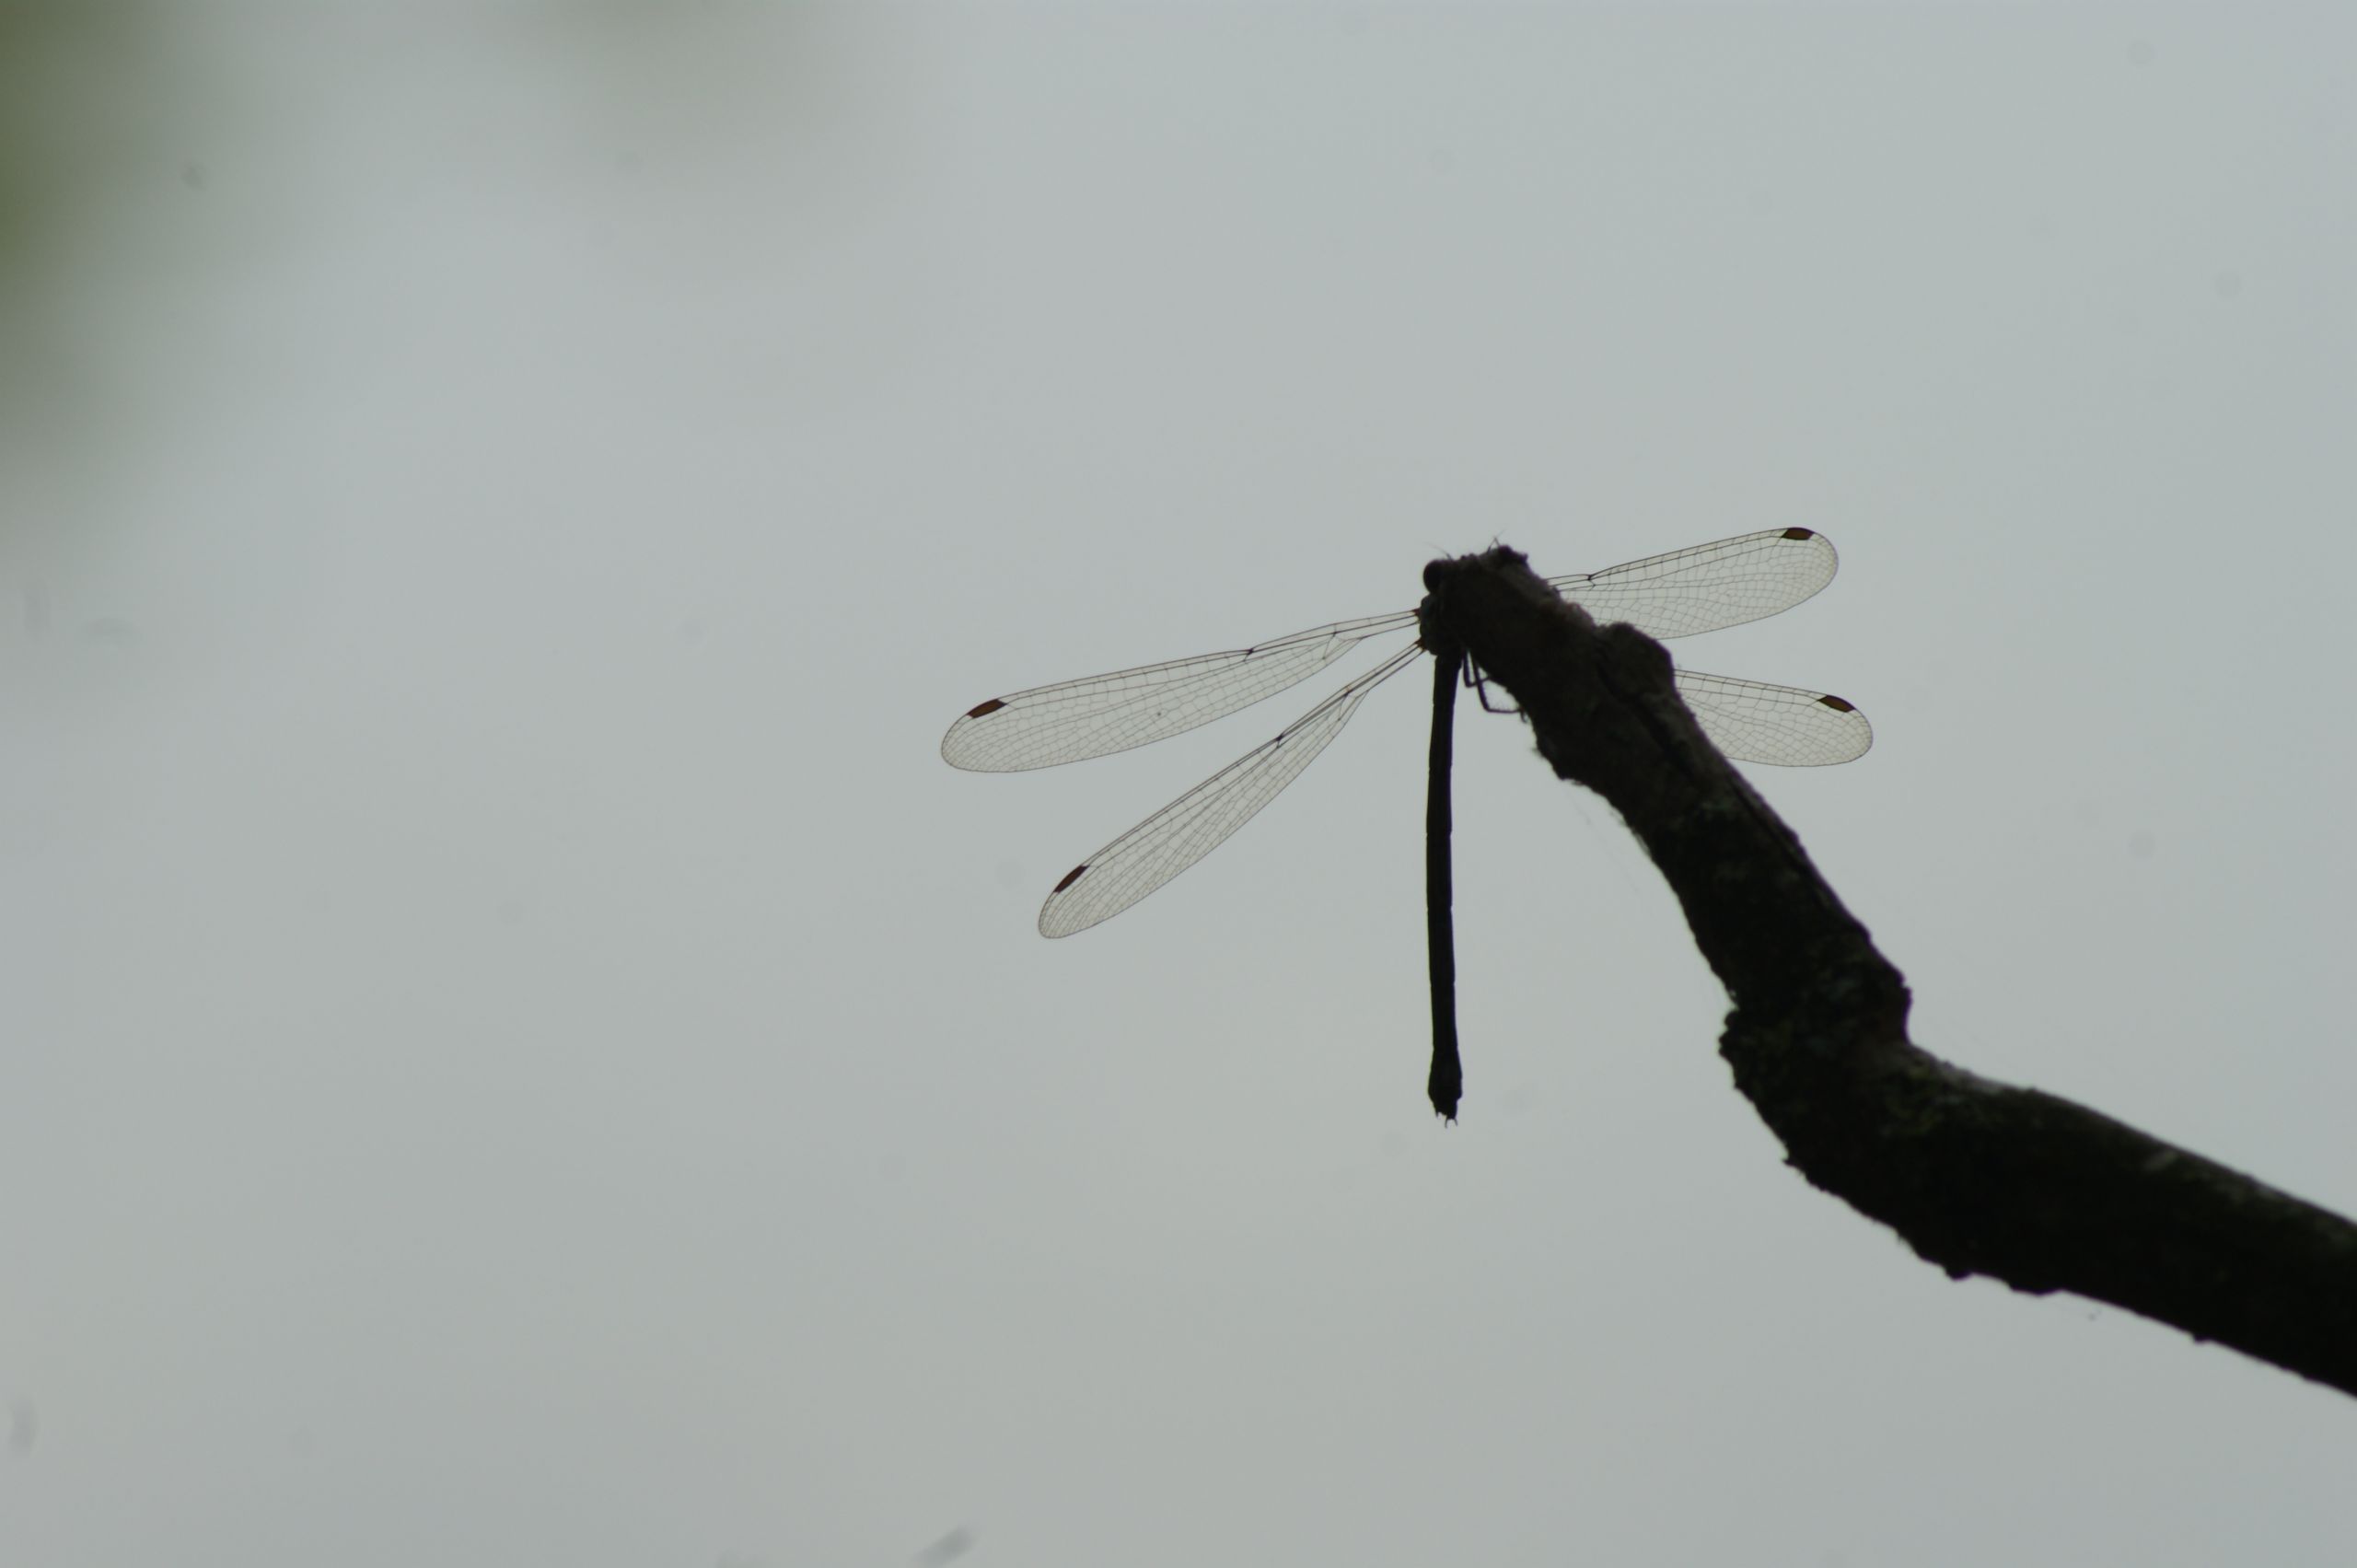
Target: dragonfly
pixel 1679 594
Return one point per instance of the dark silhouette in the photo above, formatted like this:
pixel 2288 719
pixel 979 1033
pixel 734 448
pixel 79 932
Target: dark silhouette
pixel 1978 1177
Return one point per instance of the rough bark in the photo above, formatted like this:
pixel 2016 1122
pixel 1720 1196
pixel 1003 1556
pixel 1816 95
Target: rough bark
pixel 1978 1177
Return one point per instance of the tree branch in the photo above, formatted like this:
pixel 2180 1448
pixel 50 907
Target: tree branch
pixel 1978 1177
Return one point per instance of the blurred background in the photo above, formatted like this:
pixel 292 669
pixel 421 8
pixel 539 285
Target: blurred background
pixel 523 1052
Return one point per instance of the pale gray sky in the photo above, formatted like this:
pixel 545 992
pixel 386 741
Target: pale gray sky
pixel 525 1054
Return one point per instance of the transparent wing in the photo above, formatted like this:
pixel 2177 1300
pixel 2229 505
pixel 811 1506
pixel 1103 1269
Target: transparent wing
pixel 1102 714
pixel 1753 722
pixel 1708 586
pixel 1199 821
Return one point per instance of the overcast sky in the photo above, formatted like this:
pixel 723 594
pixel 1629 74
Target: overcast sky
pixel 526 1054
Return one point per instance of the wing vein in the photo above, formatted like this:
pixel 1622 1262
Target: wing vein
pixel 1707 587
pixel 1199 821
pixel 1788 725
pixel 1098 715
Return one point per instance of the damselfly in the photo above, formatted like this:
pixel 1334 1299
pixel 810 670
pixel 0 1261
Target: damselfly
pixel 1676 595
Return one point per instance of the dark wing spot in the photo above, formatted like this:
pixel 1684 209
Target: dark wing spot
pixel 991 706
pixel 1800 533
pixel 1070 877
pixel 1837 704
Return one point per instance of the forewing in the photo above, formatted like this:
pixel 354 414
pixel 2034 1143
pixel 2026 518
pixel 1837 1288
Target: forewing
pixel 1199 821
pixel 1708 586
pixel 1103 714
pixel 1753 722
